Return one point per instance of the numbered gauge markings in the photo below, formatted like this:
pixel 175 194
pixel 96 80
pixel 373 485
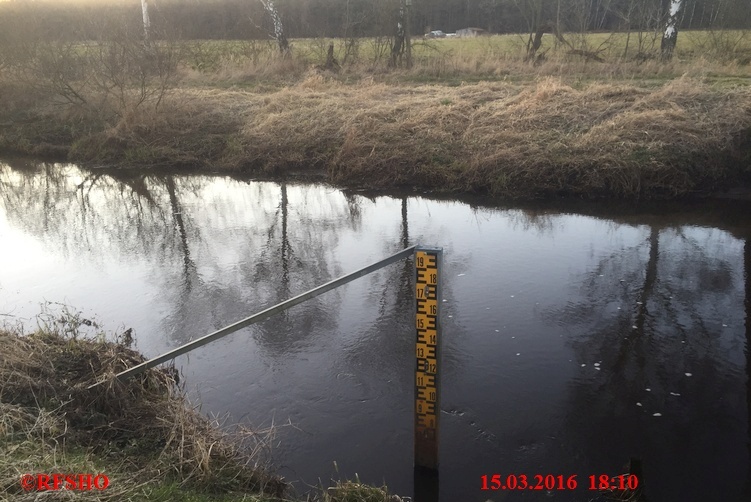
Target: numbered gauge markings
pixel 427 353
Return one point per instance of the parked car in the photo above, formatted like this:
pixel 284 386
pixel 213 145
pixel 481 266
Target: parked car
pixel 436 34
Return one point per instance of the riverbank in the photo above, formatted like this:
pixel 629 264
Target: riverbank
pixel 549 137
pixel 140 439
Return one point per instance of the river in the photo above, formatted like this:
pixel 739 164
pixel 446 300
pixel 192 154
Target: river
pixel 576 335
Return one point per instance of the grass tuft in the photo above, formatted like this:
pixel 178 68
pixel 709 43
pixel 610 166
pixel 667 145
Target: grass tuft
pixel 140 432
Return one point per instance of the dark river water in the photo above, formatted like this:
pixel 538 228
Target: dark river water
pixel 574 337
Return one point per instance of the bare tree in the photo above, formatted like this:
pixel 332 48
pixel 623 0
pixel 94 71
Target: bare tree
pixel 644 18
pixel 670 36
pixel 351 31
pixel 276 19
pixel 397 49
pixel 532 12
pixel 146 22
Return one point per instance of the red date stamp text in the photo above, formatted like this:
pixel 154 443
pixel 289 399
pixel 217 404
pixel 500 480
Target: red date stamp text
pixel 550 482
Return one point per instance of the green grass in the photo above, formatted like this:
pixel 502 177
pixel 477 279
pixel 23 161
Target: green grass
pixel 726 45
pixel 723 57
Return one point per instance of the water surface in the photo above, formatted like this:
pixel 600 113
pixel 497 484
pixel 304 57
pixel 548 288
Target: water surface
pixel 574 337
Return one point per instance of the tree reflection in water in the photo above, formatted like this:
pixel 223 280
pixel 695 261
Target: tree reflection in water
pixel 651 344
pixel 213 250
pixel 188 229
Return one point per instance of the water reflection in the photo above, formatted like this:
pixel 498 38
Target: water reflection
pixel 657 336
pixel 123 216
pixel 570 331
pixel 747 303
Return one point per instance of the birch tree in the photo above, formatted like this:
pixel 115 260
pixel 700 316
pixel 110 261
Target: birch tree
pixel 276 19
pixel 399 38
pixel 670 36
pixel 146 22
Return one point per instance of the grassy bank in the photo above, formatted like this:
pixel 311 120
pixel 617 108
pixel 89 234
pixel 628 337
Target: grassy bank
pixel 487 123
pixel 142 433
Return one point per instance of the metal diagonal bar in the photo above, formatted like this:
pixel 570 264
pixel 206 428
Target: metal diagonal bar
pixel 265 314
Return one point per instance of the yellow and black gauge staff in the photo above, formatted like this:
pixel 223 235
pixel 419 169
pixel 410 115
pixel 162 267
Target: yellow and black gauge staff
pixel 428 354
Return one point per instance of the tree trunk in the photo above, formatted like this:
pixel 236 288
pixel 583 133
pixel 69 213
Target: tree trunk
pixel 146 22
pixel 331 63
pixel 189 267
pixel 670 35
pixel 407 41
pixel 628 39
pixel 279 36
pixel 535 42
pixel 398 47
pixel 286 250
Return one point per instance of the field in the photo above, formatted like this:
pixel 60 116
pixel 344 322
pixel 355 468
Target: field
pixel 495 57
pixel 597 116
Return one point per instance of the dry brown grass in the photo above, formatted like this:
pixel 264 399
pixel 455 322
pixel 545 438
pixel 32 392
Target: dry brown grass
pixel 142 427
pixel 609 140
pixel 550 136
pixel 504 139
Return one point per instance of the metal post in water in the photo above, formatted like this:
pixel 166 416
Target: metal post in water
pixel 428 269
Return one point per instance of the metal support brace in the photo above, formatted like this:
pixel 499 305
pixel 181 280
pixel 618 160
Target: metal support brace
pixel 265 314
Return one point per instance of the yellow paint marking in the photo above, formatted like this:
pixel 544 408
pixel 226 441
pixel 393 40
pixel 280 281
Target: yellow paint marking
pixel 427 394
pixel 427 381
pixel 426 421
pixel 428 366
pixel 424 351
pixel 424 260
pixel 428 307
pixel 423 321
pixel 423 379
pixel 429 336
pixel 425 292
pixel 424 407
pixel 428 276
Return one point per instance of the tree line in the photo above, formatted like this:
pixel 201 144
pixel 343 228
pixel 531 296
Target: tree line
pixel 250 19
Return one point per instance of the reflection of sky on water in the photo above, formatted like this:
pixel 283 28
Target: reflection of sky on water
pixel 534 298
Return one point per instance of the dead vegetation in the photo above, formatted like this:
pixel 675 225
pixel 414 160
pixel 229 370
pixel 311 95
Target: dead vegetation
pixel 610 140
pixel 549 138
pixel 633 129
pixel 139 432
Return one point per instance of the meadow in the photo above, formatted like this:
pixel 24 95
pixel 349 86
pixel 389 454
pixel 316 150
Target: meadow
pixel 596 115
pixel 616 55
